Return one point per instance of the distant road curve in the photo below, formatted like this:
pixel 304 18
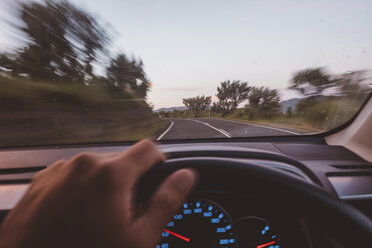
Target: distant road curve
pixel 199 128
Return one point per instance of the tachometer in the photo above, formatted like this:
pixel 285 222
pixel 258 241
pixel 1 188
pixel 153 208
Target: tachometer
pixel 200 223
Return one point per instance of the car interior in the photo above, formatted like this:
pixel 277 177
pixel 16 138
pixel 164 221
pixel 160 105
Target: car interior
pixel 269 101
pixel 302 191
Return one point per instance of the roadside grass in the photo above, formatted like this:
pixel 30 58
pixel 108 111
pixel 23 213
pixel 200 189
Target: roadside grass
pixel 116 133
pixel 54 113
pixel 86 134
pixel 24 94
pixel 287 123
pixel 133 133
pixel 313 117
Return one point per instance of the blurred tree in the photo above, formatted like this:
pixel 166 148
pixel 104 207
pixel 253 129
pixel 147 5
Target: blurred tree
pixel 198 104
pixel 353 83
pixel 230 95
pixel 164 114
pixel 311 82
pixel 289 112
pixel 223 106
pixel 6 62
pixel 64 41
pixel 317 83
pixel 263 101
pixel 322 91
pixel 255 96
pixel 85 30
pixel 128 75
pixel 270 102
pixel 49 54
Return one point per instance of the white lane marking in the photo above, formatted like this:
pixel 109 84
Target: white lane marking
pixel 166 131
pixel 224 131
pixel 257 125
pixel 217 129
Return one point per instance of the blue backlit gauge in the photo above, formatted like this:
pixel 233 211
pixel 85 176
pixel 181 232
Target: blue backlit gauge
pixel 254 232
pixel 199 223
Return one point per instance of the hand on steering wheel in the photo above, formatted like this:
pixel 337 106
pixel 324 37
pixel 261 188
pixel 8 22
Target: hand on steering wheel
pixel 87 201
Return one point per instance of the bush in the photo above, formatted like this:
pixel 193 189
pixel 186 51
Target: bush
pixel 329 112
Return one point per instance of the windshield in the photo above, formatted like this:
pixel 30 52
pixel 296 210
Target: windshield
pixel 88 71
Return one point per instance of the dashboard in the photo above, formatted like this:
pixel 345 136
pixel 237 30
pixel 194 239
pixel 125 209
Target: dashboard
pixel 222 218
pixel 211 219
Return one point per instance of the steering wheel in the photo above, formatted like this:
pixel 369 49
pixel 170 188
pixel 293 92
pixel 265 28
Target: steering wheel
pixel 341 221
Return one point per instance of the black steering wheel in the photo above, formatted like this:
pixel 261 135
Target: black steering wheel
pixel 338 219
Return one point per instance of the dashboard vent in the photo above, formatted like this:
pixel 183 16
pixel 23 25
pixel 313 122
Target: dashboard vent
pixel 22 170
pixel 18 175
pixel 353 167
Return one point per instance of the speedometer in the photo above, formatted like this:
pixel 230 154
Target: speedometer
pixel 200 223
pixel 255 232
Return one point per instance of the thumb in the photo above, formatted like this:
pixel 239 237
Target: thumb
pixel 166 201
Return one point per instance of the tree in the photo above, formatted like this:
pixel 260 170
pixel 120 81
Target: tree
pixel 231 94
pixel 198 104
pixel 311 82
pixel 317 83
pixel 63 41
pixel 6 62
pixel 128 75
pixel 264 101
pixel 85 29
pixel 45 25
pixel 270 102
pixel 289 112
pixel 255 96
pixel 164 114
pixel 321 88
pixel 222 106
pixel 353 83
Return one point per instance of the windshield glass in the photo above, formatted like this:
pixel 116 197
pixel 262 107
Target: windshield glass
pixel 88 71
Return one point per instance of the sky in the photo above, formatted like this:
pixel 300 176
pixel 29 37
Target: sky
pixel 189 47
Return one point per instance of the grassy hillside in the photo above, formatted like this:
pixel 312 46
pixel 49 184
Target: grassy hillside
pixel 39 113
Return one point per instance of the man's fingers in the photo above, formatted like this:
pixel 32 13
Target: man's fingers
pixel 166 201
pixel 140 158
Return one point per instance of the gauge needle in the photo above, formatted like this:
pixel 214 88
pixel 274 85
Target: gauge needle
pixel 177 235
pixel 264 245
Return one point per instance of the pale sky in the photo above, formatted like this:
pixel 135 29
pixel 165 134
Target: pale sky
pixel 189 47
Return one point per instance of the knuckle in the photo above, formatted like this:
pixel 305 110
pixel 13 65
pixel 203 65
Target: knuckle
pixel 39 175
pixel 147 142
pixel 83 157
pixel 151 148
pixel 147 145
pixel 58 164
pixel 44 172
pixel 137 152
pixel 84 161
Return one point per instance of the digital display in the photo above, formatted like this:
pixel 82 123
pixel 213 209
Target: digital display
pixel 352 185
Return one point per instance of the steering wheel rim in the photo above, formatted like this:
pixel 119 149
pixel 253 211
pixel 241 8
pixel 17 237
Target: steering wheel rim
pixel 343 222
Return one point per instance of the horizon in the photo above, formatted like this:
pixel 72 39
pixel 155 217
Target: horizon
pixel 240 105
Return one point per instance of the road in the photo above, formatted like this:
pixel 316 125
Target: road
pixel 199 128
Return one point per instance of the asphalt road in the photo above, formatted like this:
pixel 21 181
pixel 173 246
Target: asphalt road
pixel 200 128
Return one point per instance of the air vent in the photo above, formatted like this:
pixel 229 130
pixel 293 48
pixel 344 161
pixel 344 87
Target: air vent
pixel 18 175
pixel 21 170
pixel 353 167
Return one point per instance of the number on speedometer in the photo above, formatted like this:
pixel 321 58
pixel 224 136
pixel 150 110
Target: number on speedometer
pixel 200 223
